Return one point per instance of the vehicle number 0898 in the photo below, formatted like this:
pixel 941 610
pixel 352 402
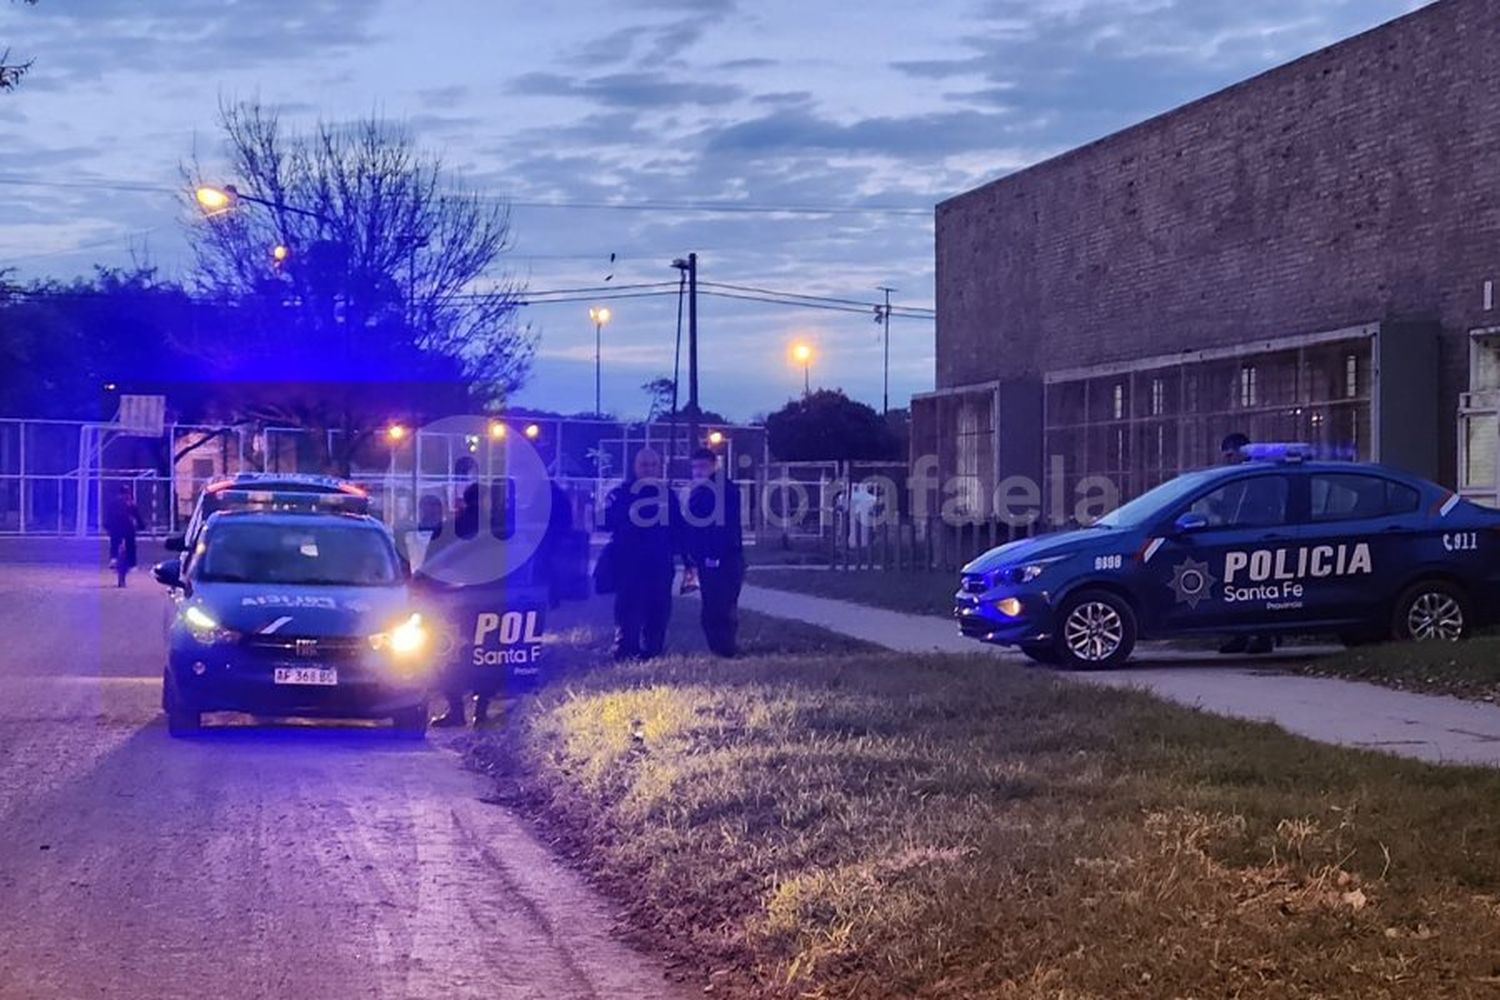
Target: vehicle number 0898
pixel 1109 562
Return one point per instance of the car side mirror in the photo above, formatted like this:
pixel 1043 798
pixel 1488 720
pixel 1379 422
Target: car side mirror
pixel 175 543
pixel 168 573
pixel 1189 523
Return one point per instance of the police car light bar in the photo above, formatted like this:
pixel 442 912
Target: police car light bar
pixel 1278 452
pixel 345 501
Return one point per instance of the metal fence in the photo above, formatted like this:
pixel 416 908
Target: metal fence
pixel 56 477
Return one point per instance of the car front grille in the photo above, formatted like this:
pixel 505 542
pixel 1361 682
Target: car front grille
pixel 323 647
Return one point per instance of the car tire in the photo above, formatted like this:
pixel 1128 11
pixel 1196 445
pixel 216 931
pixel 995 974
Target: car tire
pixel 1096 630
pixel 1040 652
pixel 411 723
pixel 1433 611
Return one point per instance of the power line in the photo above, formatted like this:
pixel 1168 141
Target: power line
pixel 709 206
pixel 866 306
pixel 804 304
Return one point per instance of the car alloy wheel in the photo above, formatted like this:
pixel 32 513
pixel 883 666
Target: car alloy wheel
pixel 1435 615
pixel 1093 632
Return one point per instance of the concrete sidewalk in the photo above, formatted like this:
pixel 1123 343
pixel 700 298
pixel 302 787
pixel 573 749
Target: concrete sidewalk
pixel 1348 713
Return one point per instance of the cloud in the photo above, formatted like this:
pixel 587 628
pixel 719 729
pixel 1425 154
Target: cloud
pixel 95 39
pixel 927 136
pixel 633 90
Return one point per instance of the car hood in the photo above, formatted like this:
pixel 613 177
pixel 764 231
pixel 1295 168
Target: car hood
pixel 300 610
pixel 1064 543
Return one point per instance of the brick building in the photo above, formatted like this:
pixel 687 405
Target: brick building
pixel 1311 254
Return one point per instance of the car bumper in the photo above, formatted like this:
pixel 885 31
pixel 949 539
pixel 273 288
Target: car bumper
pixel 981 618
pixel 206 680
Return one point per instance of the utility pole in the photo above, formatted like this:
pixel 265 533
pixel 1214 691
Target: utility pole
pixel 689 268
pixel 884 316
pixel 692 270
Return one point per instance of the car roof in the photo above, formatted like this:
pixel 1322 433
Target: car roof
pixel 289 481
pixel 1327 466
pixel 299 518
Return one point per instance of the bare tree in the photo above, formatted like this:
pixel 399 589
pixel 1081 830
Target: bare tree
pixel 11 73
pixel 369 266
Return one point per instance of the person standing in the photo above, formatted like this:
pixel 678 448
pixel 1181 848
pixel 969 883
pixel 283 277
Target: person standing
pixel 122 519
pixel 715 545
pixel 644 520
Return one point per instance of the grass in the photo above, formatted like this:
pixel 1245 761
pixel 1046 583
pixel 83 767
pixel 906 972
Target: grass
pixel 1465 670
pixel 918 592
pixel 823 820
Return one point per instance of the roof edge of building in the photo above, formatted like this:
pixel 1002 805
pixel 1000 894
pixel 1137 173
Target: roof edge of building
pixel 1223 93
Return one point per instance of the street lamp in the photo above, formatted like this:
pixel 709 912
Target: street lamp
pixel 217 200
pixel 533 431
pixel 802 354
pixel 715 438
pixel 600 315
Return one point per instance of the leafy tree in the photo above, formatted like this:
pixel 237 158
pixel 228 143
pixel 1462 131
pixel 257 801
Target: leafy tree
pixel 379 304
pixel 828 425
pixel 11 73
pixel 659 392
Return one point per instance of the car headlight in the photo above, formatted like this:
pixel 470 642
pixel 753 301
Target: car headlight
pixel 206 629
pixel 408 638
pixel 1027 572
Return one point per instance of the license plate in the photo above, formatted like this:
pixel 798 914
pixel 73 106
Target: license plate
pixel 319 676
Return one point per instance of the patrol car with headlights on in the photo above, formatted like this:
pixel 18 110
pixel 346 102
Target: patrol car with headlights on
pixel 294 613
pixel 1281 543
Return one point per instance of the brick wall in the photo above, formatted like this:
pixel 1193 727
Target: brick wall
pixel 1360 183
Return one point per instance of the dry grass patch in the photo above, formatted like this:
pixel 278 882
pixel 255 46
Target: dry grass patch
pixel 871 825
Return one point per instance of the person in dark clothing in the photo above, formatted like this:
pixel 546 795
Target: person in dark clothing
pixel 122 519
pixel 715 545
pixel 465 529
pixel 555 552
pixel 644 519
pixel 1232 450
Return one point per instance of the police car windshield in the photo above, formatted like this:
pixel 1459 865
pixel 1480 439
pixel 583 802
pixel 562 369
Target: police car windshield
pixel 334 555
pixel 1153 503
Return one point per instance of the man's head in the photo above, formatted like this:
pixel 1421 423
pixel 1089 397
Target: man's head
pixel 705 464
pixel 1231 447
pixel 647 464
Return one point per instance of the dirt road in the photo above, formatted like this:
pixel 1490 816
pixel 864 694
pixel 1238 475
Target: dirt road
pixel 253 862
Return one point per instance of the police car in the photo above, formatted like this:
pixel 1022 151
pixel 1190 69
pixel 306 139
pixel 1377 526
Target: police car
pixel 1281 543
pixel 294 613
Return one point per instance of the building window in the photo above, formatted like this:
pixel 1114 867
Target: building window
pixel 1119 401
pixel 1351 376
pixel 1249 386
pixel 1158 397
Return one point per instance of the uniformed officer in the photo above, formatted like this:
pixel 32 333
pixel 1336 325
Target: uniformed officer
pixel 716 547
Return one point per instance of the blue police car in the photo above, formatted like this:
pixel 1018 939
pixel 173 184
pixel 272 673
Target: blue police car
pixel 294 613
pixel 1281 543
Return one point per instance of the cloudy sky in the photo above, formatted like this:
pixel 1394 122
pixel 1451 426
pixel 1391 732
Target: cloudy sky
pixel 657 106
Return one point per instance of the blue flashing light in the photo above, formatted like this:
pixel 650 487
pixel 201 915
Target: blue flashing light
pixel 1290 452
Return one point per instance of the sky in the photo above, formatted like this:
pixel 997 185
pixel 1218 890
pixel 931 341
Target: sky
pixel 870 113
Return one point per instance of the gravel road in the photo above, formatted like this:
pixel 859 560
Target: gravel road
pixel 311 861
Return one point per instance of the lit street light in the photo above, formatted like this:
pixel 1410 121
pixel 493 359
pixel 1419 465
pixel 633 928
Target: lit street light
pixel 533 431
pixel 802 354
pixel 600 315
pixel 217 200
